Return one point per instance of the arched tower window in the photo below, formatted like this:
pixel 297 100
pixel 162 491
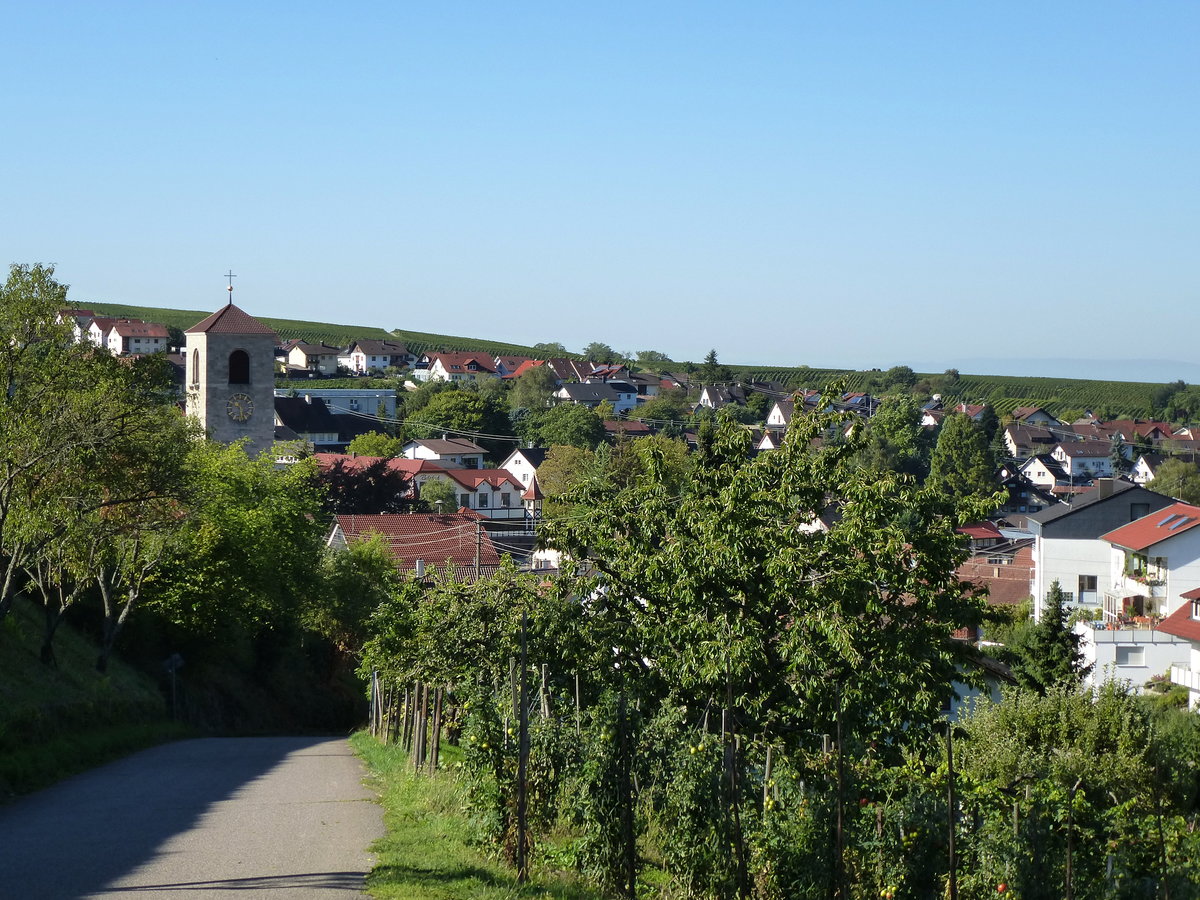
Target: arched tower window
pixel 195 367
pixel 239 367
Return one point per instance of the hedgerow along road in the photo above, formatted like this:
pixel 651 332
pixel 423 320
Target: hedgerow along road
pixel 279 817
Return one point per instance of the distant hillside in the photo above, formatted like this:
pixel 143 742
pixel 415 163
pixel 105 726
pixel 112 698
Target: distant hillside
pixel 314 332
pixel 1003 392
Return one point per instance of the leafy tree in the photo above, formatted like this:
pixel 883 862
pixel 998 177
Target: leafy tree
pixel 439 491
pixel 668 406
pixel 355 581
pixel 573 424
pixel 1160 397
pixel 900 378
pixel 374 443
pixel 722 592
pixel 1179 479
pixel 533 388
pixel 1052 654
pixel 371 489
pixel 896 439
pixel 247 555
pixel 466 414
pixel 564 467
pixel 649 359
pixel 961 466
pixel 760 405
pixel 552 349
pixel 1116 457
pixel 598 352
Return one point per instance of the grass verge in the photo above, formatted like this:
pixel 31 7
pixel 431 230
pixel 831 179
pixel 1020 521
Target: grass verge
pixel 428 853
pixel 36 766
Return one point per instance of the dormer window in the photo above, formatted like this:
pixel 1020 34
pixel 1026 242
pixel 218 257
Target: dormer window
pixel 1196 610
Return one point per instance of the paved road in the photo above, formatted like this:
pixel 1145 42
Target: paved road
pixel 278 817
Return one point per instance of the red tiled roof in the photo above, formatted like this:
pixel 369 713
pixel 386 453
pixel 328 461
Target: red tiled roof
pixel 1193 594
pixel 1181 624
pixel 1007 584
pixel 428 536
pixel 1156 527
pixel 230 320
pixel 139 328
pixel 979 530
pixel 457 361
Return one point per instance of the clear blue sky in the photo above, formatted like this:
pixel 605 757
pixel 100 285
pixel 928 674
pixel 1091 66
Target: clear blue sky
pixel 856 184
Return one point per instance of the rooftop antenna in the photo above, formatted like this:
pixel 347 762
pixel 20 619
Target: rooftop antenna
pixel 230 276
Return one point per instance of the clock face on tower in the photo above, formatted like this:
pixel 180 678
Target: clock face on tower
pixel 240 407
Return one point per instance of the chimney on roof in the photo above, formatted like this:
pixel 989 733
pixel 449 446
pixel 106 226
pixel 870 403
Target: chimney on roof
pixel 1104 487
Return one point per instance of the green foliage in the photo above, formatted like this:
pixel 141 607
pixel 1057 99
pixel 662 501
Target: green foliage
pixel 533 388
pixel 1179 479
pixel 896 440
pixel 1051 654
pixel 961 465
pixel 565 467
pixel 598 352
pixel 711 371
pixel 462 414
pixel 245 555
pixel 375 443
pixel 439 490
pixel 571 424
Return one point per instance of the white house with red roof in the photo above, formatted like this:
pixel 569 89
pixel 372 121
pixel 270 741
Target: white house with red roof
pixel 376 355
pixel 454 367
pixel 131 337
pixel 1154 569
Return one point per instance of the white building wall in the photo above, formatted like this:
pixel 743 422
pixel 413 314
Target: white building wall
pixel 1129 655
pixel 1065 560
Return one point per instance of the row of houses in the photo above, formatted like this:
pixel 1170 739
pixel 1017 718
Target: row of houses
pixel 121 336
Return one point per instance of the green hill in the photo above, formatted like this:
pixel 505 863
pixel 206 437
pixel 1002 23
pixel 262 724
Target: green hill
pixel 1063 396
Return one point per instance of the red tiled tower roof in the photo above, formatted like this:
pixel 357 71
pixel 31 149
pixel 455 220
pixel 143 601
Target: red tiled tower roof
pixel 229 319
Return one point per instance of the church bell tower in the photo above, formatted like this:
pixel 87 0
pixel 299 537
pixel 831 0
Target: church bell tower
pixel 230 375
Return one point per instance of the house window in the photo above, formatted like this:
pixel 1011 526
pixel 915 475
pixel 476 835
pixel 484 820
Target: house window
pixel 466 501
pixel 1138 511
pixel 483 500
pixel 1087 583
pixel 1128 655
pixel 1196 609
pixel 195 367
pixel 506 499
pixel 239 367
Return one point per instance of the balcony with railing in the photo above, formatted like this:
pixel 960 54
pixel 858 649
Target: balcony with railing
pixel 1187 677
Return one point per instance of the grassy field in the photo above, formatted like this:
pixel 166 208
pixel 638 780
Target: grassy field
pixel 428 853
pixel 58 720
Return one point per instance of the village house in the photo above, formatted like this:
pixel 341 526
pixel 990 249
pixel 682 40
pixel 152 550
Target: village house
pixel 1024 441
pixel 523 463
pixel 457 453
pixel 1068 543
pixel 1035 415
pixel 303 357
pixel 1084 460
pixel 130 337
pixel 376 355
pixel 1154 569
pixel 453 367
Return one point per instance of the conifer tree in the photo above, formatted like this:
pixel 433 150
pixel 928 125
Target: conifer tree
pixel 1052 655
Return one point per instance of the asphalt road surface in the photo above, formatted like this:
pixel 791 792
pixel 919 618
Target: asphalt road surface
pixel 275 817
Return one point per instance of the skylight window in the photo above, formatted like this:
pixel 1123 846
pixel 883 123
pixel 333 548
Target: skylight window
pixel 1166 520
pixel 1183 520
